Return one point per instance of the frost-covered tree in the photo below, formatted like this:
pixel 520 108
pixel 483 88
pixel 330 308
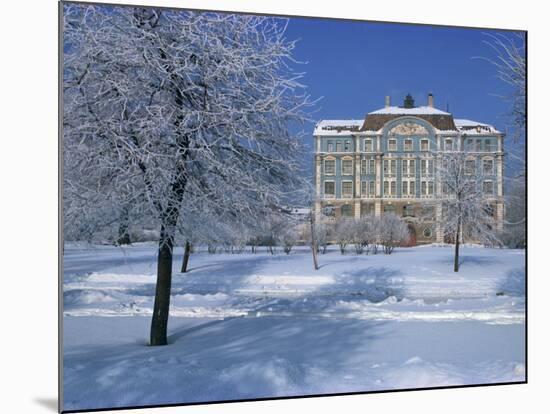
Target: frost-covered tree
pixel 289 237
pixel 344 233
pixel 167 108
pixel 465 209
pixel 360 231
pixel 509 60
pixel 508 56
pixel 392 232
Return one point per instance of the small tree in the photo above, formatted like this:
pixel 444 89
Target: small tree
pixel 464 205
pixel 344 233
pixel 289 238
pixel 393 231
pixel 360 235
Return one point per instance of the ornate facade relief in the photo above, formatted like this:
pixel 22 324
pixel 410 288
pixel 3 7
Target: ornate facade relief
pixel 408 128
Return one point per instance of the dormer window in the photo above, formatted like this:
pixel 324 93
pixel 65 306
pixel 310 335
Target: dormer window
pixel 448 144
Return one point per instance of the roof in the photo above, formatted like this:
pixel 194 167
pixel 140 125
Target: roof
pixel 337 127
pixel 474 127
pixel 374 121
pixel 418 110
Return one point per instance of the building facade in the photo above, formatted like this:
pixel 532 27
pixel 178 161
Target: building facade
pixel 387 162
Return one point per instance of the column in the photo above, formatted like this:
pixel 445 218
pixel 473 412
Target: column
pixel 378 208
pixel 378 175
pixel 357 191
pixel 499 167
pixel 500 216
pixel 357 209
pixel 438 226
pixel 318 175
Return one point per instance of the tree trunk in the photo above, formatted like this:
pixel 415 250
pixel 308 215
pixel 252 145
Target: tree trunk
pixel 169 219
pixel 313 243
pixel 457 245
pixel 159 323
pixel 124 224
pixel 186 254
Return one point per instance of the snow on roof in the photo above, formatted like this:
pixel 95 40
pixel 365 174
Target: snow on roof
pixel 337 127
pixel 473 127
pixel 419 110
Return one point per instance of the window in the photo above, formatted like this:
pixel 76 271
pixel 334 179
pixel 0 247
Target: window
pixel 408 167
pixel 347 145
pixel 329 188
pixel 408 145
pixel 347 188
pixel 424 145
pixel 330 146
pixel 490 145
pixel 448 144
pixel 478 145
pixel 363 166
pixel 427 188
pixel 347 167
pixel 427 232
pixel 330 167
pixel 363 188
pixel 408 210
pixel 487 167
pixel 389 208
pixel 390 188
pixel 488 188
pixel 371 188
pixel 392 145
pixel 393 166
pixel 372 166
pixel 386 166
pixel 470 167
pixel 328 210
pixel 346 210
pixel 367 208
pixel 368 145
pixel 338 146
pixel 469 144
pixel 407 189
pixel 426 167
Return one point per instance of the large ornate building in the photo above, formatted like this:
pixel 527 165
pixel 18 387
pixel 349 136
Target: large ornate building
pixel 387 162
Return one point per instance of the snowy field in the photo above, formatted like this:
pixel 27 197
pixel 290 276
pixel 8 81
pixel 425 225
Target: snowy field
pixel 256 325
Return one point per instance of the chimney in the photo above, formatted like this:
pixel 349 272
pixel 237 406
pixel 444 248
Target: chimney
pixel 388 101
pixel 431 100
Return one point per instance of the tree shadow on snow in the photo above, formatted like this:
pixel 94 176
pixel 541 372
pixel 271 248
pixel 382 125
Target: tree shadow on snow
pixel 513 283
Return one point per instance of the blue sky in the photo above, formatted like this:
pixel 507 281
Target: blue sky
pixel 353 65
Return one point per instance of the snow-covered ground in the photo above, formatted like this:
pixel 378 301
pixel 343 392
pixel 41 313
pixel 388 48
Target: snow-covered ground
pixel 257 325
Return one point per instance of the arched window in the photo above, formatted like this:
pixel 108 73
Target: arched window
pixel 346 210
